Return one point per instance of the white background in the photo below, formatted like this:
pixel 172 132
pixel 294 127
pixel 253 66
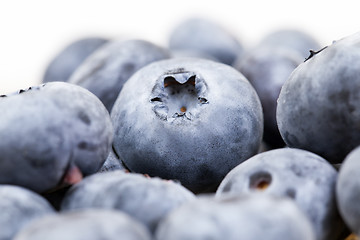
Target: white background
pixel 34 31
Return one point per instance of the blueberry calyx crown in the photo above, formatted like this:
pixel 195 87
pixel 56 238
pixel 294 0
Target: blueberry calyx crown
pixel 178 94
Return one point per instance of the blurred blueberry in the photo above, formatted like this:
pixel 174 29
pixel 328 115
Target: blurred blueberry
pixel 348 190
pixel 247 217
pixel 267 68
pixel 69 58
pixel 318 106
pixel 292 38
pixel 107 69
pixel 193 54
pixel 18 208
pixel 187 119
pixel 52 133
pixel 146 199
pixel 300 175
pixel 85 225
pixel 203 35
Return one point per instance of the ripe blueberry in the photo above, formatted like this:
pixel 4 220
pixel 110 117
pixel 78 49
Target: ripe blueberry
pixel 187 119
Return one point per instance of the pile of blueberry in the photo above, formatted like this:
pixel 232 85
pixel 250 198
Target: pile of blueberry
pixel 202 139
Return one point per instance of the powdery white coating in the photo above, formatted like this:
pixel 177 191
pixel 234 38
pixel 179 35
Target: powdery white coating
pixel 18 208
pixel 110 66
pixel 305 177
pixel 85 225
pixel 267 68
pixel 318 106
pixel 88 124
pixel 68 59
pixel 46 129
pixel 247 217
pixel 222 126
pixel 146 199
pixel 202 35
pixel 348 190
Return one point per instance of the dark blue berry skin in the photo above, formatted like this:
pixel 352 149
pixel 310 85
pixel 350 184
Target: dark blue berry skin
pixel 48 130
pixel 69 58
pixel 294 39
pixel 112 163
pixel 348 190
pixel 19 207
pixel 267 68
pixel 318 106
pixel 187 119
pixel 303 176
pixel 85 225
pixel 202 35
pixel 105 71
pixel 146 199
pixel 246 217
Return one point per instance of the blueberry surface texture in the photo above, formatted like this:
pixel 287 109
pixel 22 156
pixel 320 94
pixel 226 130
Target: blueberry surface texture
pixel 318 106
pixel 246 217
pixel 295 39
pixel 68 59
pixel 187 119
pixel 267 68
pixel 52 133
pixel 107 69
pixel 348 190
pixel 85 225
pixel 19 207
pixel 146 199
pixel 306 178
pixel 208 37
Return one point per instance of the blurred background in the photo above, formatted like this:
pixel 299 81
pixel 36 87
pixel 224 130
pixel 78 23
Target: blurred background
pixel 33 32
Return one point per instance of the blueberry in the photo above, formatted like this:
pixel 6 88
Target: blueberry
pixel 305 177
pixel 52 133
pixel 107 69
pixel 112 163
pixel 203 35
pixel 294 39
pixel 318 105
pixel 193 54
pixel 19 207
pixel 85 225
pixel 187 119
pixel 348 190
pixel 146 199
pixel 247 217
pixel 69 58
pixel 267 68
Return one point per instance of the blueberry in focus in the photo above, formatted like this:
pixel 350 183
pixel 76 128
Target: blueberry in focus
pixel 146 199
pixel 52 134
pixel 187 119
pixel 295 39
pixel 348 190
pixel 318 106
pixel 68 59
pixel 203 35
pixel 19 207
pixel 267 68
pixel 85 225
pixel 246 217
pixel 302 176
pixel 107 69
